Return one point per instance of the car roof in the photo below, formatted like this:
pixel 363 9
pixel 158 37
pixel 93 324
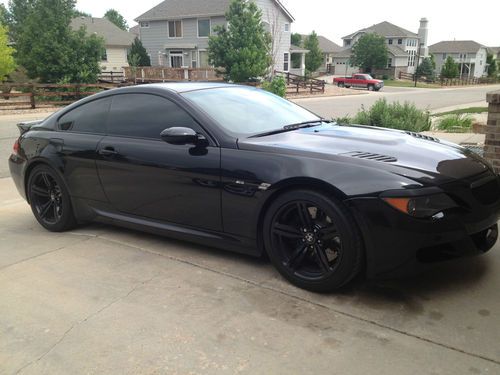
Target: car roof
pixel 180 87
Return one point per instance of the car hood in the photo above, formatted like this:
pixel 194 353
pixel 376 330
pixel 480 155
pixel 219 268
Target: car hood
pixel 424 159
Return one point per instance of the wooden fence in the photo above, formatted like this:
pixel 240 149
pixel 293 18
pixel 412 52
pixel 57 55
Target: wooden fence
pixel 33 95
pixel 299 84
pixel 150 74
pixel 459 81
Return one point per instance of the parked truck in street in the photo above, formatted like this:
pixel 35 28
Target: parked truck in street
pixel 360 81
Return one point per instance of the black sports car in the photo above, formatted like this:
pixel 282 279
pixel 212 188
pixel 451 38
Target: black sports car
pixel 239 168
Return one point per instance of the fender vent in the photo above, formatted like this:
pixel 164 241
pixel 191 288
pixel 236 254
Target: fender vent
pixel 422 136
pixel 371 156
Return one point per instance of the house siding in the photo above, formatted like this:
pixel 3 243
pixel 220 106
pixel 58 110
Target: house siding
pixel 116 59
pixel 158 45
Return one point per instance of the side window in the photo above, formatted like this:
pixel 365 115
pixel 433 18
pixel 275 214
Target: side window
pixel 146 116
pixel 87 118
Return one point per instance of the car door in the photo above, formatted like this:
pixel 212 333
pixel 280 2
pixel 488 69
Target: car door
pixel 145 176
pixel 357 81
pixel 79 132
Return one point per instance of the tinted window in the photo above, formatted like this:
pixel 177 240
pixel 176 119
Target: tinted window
pixel 146 116
pixel 88 118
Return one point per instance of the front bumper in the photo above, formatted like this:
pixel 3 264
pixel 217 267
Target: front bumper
pixel 397 244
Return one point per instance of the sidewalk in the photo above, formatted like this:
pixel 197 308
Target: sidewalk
pixel 458 138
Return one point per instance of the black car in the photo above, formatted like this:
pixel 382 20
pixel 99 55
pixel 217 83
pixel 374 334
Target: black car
pixel 239 168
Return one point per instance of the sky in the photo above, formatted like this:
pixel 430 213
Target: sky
pixel 448 20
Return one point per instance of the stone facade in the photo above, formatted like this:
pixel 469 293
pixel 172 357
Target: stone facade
pixel 492 143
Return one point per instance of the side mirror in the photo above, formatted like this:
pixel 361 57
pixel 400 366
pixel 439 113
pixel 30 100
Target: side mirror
pixel 181 136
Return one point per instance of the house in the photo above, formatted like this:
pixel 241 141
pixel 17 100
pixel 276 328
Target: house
pixel 495 51
pixel 468 54
pixel 328 48
pixel 117 41
pixel 404 47
pixel 175 32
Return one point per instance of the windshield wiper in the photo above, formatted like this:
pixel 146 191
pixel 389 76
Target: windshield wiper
pixel 286 128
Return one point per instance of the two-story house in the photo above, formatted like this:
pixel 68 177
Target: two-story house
pixel 404 48
pixel 117 41
pixel 468 54
pixel 175 32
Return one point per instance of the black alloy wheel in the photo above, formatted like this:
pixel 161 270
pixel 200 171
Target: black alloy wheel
pixel 49 199
pixel 312 240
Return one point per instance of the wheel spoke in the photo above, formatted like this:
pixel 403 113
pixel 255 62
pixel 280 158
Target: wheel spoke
pixel 46 180
pixel 44 210
pixel 288 231
pixel 40 191
pixel 321 258
pixel 304 215
pixel 328 233
pixel 297 257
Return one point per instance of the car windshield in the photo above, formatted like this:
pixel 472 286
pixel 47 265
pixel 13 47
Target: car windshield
pixel 245 111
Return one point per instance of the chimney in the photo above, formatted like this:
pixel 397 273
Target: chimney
pixel 423 33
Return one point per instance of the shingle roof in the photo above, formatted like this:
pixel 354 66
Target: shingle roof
pixel 325 44
pixel 112 34
pixel 169 9
pixel 455 46
pixel 494 50
pixel 135 30
pixel 384 29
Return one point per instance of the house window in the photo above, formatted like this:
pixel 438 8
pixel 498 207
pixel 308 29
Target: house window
pixel 390 41
pixel 194 60
pixel 144 25
pixel 104 55
pixel 400 41
pixel 389 62
pixel 287 27
pixel 286 62
pixel 347 42
pixel 175 29
pixel 204 28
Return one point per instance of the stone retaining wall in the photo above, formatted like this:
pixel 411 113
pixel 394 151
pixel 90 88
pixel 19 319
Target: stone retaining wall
pixel 492 142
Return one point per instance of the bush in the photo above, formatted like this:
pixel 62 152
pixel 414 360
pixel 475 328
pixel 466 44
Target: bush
pixel 394 115
pixel 457 123
pixel 346 120
pixel 385 77
pixel 277 86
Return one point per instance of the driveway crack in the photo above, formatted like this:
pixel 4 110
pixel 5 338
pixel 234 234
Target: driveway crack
pixel 90 316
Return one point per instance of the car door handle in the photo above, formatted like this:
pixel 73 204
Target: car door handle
pixel 108 151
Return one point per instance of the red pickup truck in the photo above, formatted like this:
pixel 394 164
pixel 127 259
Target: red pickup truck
pixel 360 81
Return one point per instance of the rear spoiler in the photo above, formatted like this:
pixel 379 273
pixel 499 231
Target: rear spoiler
pixel 27 125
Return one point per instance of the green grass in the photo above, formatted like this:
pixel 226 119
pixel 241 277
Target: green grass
pixel 455 123
pixel 470 110
pixel 405 83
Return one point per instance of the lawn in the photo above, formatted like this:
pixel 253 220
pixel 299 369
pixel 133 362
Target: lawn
pixel 470 110
pixel 405 83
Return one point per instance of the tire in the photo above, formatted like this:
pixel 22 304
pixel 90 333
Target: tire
pixel 312 240
pixel 340 84
pixel 50 200
pixel 371 88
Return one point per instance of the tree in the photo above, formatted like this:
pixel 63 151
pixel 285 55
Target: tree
pixel 138 55
pixel 50 50
pixel 314 59
pixel 19 11
pixel 492 65
pixel 433 60
pixel 7 64
pixel 242 50
pixel 79 13
pixel 4 16
pixel 449 69
pixel 116 18
pixel 370 52
pixel 425 69
pixel 296 40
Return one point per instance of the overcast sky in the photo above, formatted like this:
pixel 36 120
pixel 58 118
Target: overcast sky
pixel 448 20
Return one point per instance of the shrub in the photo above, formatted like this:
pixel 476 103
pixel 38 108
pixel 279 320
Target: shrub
pixel 385 77
pixel 456 123
pixel 346 120
pixel 277 86
pixel 394 115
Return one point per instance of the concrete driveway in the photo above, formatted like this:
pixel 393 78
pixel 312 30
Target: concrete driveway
pixel 105 300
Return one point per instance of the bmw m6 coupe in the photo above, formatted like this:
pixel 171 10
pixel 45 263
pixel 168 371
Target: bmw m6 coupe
pixel 238 168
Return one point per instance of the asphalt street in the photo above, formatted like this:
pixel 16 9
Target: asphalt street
pixel 427 99
pixel 101 300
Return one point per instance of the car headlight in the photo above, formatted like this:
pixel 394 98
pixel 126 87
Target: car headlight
pixel 422 207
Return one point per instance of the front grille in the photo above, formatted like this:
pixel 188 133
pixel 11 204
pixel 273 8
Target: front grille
pixel 371 156
pixel 422 136
pixel 487 192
